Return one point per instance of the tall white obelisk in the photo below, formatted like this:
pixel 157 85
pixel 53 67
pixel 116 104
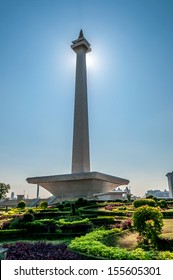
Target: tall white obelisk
pixel 81 154
pixel 81 182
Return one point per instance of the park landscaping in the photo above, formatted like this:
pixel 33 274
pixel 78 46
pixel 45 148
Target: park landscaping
pixel 139 230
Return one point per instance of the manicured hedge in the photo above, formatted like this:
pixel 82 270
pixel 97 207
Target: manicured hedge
pixel 75 226
pixel 165 244
pixel 17 234
pixel 50 215
pixel 168 214
pixel 140 202
pixel 101 221
pixel 91 244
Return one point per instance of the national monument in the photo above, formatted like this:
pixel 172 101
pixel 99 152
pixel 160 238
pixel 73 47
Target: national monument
pixel 81 182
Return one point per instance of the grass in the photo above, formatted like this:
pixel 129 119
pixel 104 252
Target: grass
pixel 129 239
pixel 168 226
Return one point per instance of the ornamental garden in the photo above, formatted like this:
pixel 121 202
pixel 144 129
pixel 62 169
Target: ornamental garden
pixel 120 230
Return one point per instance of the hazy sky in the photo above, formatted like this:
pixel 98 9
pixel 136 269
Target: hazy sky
pixel 130 89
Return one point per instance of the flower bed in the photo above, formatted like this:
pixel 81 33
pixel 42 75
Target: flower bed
pixel 40 251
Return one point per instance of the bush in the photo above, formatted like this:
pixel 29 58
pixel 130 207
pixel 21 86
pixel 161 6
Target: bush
pixel 28 218
pixel 49 215
pixel 148 221
pixel 5 224
pixel 140 202
pixel 81 202
pixel 162 203
pixel 36 226
pixel 16 223
pixel 31 211
pixel 44 204
pixel 50 224
pixel 168 213
pixel 103 221
pixel 165 244
pixel 9 233
pixel 79 226
pixel 121 208
pixel 21 204
pixel 126 224
pixel 40 251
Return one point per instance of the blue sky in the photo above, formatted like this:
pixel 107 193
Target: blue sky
pixel 130 89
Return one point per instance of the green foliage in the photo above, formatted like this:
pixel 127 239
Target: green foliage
pixel 30 210
pixel 5 224
pixel 150 196
pixel 28 218
pixel 140 202
pixel 165 244
pixel 16 223
pixel 103 220
pixel 36 226
pixel 21 204
pixel 79 226
pixel 4 189
pixel 64 222
pixel 121 208
pixel 44 204
pixel 74 209
pixel 10 232
pixel 91 244
pixel 168 213
pixel 81 202
pixel 162 203
pixel 148 221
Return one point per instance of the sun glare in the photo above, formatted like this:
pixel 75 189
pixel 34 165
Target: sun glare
pixel 90 60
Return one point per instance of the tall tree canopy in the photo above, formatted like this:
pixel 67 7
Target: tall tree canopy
pixel 4 189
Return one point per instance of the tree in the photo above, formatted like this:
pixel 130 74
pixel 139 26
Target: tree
pixel 4 189
pixel 148 221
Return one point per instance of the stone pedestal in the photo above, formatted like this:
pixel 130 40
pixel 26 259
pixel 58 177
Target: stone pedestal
pixel 77 185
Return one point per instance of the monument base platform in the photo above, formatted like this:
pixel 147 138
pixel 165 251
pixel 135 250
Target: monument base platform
pixel 75 185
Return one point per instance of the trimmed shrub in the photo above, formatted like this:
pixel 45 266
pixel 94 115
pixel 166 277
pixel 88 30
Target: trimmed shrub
pixel 165 244
pixel 148 221
pixel 50 215
pixel 167 213
pixel 50 224
pixel 16 223
pixel 140 202
pixel 162 203
pixel 31 211
pixel 103 221
pixel 44 204
pixel 28 218
pixel 9 233
pixel 21 204
pixel 36 226
pixel 79 226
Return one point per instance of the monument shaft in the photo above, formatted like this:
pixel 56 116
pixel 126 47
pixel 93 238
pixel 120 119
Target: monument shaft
pixel 82 182
pixel 80 153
